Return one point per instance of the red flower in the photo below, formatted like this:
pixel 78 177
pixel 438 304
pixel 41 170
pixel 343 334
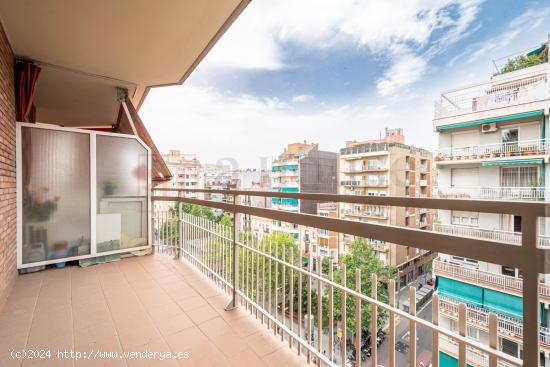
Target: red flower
pixel 39 201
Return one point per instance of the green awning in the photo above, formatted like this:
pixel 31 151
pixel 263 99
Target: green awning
pixel 503 303
pixel 537 50
pixel 459 291
pixel 513 162
pixel 494 119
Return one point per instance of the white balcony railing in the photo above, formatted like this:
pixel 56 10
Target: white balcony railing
pixel 524 148
pixel 530 86
pixel 259 275
pixel 474 357
pixel 381 214
pixel 502 282
pixel 492 193
pixel 366 183
pixel 479 317
pixel 423 182
pixel 488 234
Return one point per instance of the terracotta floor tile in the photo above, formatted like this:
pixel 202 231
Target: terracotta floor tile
pixel 247 358
pixel 202 314
pixel 151 303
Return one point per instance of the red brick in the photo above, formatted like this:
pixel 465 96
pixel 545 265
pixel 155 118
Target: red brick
pixel 8 263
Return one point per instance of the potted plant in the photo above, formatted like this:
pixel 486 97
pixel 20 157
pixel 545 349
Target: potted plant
pixel 39 208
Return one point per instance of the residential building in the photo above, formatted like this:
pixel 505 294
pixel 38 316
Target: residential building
pixel 322 242
pixel 217 177
pixel 253 180
pixel 302 167
pixel 493 144
pixel 389 167
pixel 186 172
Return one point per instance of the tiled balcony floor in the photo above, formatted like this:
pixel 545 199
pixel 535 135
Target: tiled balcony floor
pixel 148 303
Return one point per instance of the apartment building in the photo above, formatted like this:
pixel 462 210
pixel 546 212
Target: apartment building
pixel 186 172
pixel 322 242
pixel 217 177
pixel 302 167
pixel 389 167
pixel 253 180
pixel 493 145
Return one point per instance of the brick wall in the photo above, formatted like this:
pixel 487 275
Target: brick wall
pixel 7 169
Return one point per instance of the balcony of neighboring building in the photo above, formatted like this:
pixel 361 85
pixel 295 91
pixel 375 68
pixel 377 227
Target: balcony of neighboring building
pixel 478 318
pixel 514 93
pixel 486 233
pixel 493 193
pixel 516 152
pixel 469 273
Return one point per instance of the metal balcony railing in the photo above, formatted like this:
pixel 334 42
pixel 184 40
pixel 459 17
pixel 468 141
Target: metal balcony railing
pixel 530 86
pixel 502 282
pixel 492 193
pixel 524 148
pixel 261 275
pixel 488 234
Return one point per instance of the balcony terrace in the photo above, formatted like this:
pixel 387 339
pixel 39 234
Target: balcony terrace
pixel 479 318
pixel 487 279
pixel 500 151
pixel 174 300
pixel 148 303
pixel 488 234
pixel 514 92
pixel 493 193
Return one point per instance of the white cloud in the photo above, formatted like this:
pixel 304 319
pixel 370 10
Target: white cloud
pixel 302 98
pixel 219 124
pixel 257 39
pixel 406 69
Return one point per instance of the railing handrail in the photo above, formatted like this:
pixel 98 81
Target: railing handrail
pixel 527 208
pixel 251 251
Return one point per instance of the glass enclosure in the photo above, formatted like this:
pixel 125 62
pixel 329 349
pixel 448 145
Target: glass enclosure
pixel 58 194
pixel 121 193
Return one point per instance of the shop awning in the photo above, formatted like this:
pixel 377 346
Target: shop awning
pixel 513 162
pixel 493 119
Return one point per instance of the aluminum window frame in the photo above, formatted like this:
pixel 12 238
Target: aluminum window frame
pixel 93 193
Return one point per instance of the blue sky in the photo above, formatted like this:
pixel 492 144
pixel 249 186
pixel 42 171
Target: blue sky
pixel 328 71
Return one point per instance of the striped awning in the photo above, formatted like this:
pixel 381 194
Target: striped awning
pixel 513 162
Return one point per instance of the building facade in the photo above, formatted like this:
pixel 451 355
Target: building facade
pixel 322 242
pixel 389 167
pixel 187 173
pixel 492 145
pixel 302 167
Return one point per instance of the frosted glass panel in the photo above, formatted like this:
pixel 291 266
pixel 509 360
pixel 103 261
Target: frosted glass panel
pixel 56 194
pixel 121 193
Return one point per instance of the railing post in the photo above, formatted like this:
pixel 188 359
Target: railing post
pixel 531 306
pixel 235 263
pixel 180 233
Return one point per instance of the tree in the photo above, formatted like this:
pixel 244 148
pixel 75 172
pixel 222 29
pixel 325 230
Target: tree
pixel 225 220
pixel 363 257
pixel 523 61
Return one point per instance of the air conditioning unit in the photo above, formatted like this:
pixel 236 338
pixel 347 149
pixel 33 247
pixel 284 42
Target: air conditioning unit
pixel 489 128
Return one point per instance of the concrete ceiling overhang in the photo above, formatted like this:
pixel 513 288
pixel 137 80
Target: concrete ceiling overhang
pixel 88 48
